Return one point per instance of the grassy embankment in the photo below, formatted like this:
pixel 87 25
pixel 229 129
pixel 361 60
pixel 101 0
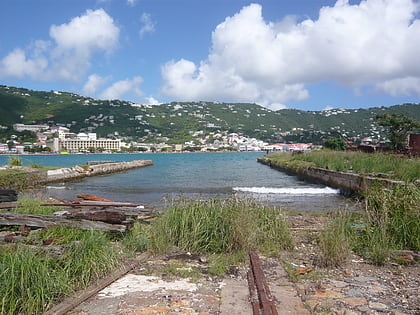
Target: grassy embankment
pixel 391 166
pixel 18 179
pixel 391 220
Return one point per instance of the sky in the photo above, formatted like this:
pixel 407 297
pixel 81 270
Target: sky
pixel 302 54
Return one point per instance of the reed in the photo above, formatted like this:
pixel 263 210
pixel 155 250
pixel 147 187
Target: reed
pixel 220 226
pixel 30 281
pixel 334 242
pixel 33 279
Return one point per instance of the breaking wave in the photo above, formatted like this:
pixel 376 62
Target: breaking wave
pixel 289 191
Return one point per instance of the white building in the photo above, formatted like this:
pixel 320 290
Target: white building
pixel 33 128
pixel 83 144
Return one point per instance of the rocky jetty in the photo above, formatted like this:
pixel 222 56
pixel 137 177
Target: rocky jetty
pixel 92 169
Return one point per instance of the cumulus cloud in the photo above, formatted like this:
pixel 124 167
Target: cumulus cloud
pixel 122 88
pixel 401 86
pixel 151 101
pixel 93 84
pixel 148 24
pixel 373 43
pixel 68 54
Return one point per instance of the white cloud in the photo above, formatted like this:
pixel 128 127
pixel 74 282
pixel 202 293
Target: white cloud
pixel 120 89
pixel 93 84
pixel 401 86
pixel 17 64
pixel 68 55
pixel 270 63
pixel 151 101
pixel 148 24
pixel 131 3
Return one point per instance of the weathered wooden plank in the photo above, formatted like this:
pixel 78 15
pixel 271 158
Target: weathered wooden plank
pixel 112 216
pixel 93 198
pixel 8 195
pixel 91 204
pixel 43 221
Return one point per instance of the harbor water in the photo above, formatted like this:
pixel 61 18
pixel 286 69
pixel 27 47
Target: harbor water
pixel 192 175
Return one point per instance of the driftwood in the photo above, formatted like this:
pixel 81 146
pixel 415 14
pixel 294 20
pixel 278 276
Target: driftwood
pixel 93 198
pixel 8 195
pixel 112 216
pixel 91 204
pixel 43 221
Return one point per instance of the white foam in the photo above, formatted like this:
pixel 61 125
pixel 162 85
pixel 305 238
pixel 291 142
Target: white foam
pixel 288 191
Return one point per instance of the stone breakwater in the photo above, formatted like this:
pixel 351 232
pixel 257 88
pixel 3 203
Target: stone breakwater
pixel 348 183
pixel 91 169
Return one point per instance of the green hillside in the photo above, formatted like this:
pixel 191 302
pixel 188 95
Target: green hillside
pixel 177 121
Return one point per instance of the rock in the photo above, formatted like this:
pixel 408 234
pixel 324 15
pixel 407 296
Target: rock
pixel 378 306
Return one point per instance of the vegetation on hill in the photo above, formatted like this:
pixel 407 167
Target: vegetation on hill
pixel 177 121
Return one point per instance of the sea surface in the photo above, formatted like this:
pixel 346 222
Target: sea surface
pixel 192 175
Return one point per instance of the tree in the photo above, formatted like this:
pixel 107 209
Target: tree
pixel 337 144
pixel 398 127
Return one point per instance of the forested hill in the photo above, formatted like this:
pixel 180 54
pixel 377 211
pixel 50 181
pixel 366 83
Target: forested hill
pixel 179 120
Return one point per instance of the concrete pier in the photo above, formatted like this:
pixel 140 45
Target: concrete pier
pixel 348 183
pixel 91 169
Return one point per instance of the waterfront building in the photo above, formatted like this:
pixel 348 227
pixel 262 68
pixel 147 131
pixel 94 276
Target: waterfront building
pixel 76 145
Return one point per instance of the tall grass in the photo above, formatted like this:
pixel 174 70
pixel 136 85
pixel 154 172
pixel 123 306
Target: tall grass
pixel 391 221
pixel 33 279
pixel 334 242
pixel 399 168
pixel 30 281
pixel 396 211
pixel 220 226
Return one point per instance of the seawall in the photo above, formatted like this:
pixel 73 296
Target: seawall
pixel 91 169
pixel 348 183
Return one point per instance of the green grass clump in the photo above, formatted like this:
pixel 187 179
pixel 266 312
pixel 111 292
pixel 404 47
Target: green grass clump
pixel 391 221
pixel 396 167
pixel 136 239
pixel 89 258
pixel 220 226
pixel 33 279
pixel 15 161
pixel 396 211
pixel 334 243
pixel 28 204
pixel 30 281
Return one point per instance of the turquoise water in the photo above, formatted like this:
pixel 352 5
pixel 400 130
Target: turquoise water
pixel 191 175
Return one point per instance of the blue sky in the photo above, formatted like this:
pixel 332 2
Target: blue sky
pixel 304 54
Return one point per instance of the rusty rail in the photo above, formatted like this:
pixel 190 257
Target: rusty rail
pixel 260 295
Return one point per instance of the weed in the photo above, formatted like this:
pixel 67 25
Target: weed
pixel 220 226
pixel 15 161
pixel 334 243
pixel 30 281
pixel 136 240
pixel 29 204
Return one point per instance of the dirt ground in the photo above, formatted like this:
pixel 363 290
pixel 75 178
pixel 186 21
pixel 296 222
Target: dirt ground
pixel 297 284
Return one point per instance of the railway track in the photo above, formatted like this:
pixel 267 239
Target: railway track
pixel 260 296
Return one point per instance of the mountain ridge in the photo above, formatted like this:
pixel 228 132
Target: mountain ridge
pixel 176 122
